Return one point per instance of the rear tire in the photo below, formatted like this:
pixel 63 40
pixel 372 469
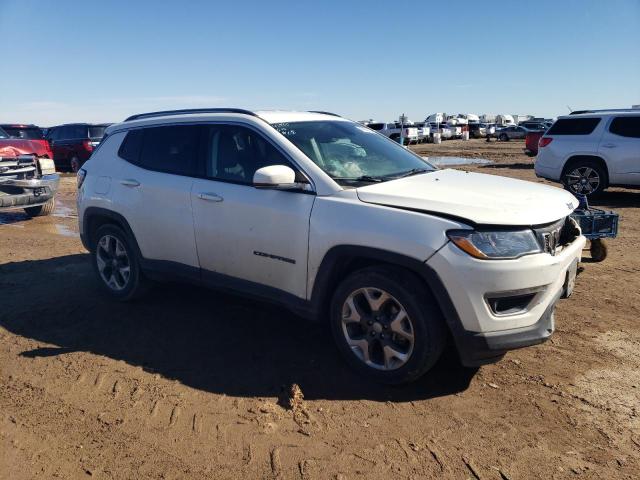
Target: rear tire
pixel 74 163
pixel 598 250
pixel 387 324
pixel 42 210
pixel 503 137
pixel 584 177
pixel 116 263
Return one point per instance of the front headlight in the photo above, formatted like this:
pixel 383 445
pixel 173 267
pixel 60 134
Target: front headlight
pixel 496 244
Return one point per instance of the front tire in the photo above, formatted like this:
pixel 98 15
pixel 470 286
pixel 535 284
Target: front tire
pixel 117 265
pixel 504 137
pixel 387 325
pixel 41 210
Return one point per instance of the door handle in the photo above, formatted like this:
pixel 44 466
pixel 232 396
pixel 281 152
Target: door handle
pixel 210 197
pixel 609 145
pixel 129 182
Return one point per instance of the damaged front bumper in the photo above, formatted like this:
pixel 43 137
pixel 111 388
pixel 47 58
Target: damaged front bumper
pixel 27 192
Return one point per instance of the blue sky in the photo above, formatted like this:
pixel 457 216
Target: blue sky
pixel 69 61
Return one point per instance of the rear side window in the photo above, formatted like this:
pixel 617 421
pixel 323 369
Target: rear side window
pixel 376 126
pixel 626 126
pixel 574 126
pixel 131 147
pixel 170 149
pixel 26 133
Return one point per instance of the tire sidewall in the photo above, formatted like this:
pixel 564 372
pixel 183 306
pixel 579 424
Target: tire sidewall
pixel 135 274
pixel 424 354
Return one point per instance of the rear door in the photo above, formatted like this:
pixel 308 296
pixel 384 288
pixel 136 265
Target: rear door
pixel 620 146
pixel 249 237
pixel 153 189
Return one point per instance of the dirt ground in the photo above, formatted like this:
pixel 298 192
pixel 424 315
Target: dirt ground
pixel 190 383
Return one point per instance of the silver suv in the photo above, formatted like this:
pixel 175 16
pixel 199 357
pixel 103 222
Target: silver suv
pixel 589 151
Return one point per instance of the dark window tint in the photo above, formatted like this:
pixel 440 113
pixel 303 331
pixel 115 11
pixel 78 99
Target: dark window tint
pixel 97 131
pixel 27 133
pixel 574 126
pixel 376 126
pixel 234 153
pixel 3 134
pixel 626 126
pixel 171 149
pixel 130 148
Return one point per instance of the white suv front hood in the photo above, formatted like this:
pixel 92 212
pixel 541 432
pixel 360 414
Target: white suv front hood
pixel 479 198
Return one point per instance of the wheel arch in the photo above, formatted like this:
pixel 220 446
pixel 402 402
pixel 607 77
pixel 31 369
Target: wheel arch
pixel 95 217
pixel 576 159
pixel 342 260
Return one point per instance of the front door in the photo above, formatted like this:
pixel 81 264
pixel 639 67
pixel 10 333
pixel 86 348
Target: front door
pixel 249 237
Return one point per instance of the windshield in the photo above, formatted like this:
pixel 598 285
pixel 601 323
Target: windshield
pixel 97 131
pixel 3 134
pixel 27 133
pixel 350 152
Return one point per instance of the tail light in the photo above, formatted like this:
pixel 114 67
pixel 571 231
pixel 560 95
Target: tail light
pixel 87 145
pixel 544 141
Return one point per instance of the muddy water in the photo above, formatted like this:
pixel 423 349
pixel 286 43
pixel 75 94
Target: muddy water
pixel 448 161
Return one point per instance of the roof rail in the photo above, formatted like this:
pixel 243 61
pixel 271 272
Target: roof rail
pixel 189 110
pixel 325 113
pixel 579 112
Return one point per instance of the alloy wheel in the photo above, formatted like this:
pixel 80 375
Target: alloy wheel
pixel 584 180
pixel 377 328
pixel 113 262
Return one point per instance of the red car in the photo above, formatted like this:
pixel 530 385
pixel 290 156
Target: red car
pixel 25 139
pixel 73 143
pixel 531 143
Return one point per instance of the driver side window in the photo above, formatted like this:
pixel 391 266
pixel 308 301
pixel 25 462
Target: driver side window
pixel 234 153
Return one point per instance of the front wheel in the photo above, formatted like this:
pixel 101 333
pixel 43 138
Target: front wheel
pixel 386 324
pixel 41 210
pixel 504 137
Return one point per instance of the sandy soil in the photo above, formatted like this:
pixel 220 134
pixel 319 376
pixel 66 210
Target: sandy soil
pixel 189 383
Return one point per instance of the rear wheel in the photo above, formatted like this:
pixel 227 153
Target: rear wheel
pixel 386 324
pixel 74 163
pixel 41 210
pixel 585 178
pixel 598 250
pixel 117 264
pixel 503 137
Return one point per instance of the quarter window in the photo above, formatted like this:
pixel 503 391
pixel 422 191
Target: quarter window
pixel 626 126
pixel 574 126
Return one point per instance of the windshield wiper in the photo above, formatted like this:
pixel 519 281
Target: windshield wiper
pixel 413 171
pixel 363 178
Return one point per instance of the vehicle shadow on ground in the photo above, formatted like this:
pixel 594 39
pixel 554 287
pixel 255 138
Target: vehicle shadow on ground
pixel 510 166
pixel 616 199
pixel 204 339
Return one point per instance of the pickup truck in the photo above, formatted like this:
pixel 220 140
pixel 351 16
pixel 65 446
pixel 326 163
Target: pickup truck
pixel 393 130
pixel 27 182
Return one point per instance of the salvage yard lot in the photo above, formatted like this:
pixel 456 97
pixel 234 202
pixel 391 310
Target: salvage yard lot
pixel 189 383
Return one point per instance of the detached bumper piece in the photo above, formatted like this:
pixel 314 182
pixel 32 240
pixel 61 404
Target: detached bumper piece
pixel 22 185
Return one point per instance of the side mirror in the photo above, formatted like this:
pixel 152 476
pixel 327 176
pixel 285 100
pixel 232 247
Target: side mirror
pixel 275 176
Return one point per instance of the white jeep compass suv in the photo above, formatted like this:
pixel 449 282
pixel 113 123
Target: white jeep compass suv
pixel 589 151
pixel 336 222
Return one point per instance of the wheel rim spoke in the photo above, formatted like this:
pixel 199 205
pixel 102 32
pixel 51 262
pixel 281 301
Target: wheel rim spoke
pixel 377 328
pixel 112 261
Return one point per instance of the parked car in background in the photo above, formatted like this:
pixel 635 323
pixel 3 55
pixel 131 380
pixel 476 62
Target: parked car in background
pixel 531 142
pixel 533 126
pixel 443 129
pixel 395 255
pixel 393 131
pixel 72 144
pixel 424 131
pixel 477 130
pixel 591 151
pixel 26 181
pixel 512 132
pixel 25 139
